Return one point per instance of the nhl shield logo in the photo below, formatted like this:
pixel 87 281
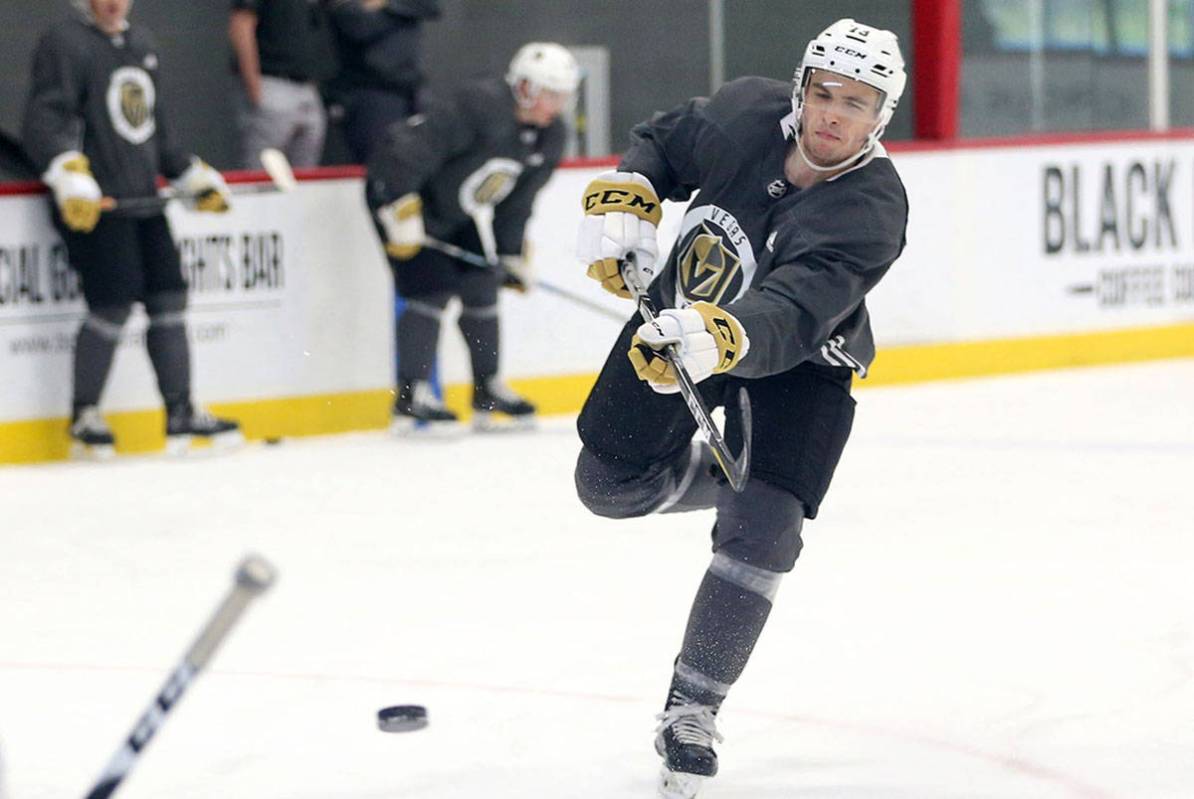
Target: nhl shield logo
pixel 777 188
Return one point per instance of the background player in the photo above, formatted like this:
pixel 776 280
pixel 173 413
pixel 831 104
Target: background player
pixel 466 171
pixel 94 126
pixel 800 213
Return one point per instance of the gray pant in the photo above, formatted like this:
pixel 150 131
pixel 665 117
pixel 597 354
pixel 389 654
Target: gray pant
pixel 290 118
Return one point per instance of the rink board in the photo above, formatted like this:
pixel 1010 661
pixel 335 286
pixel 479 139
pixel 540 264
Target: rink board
pixel 1017 259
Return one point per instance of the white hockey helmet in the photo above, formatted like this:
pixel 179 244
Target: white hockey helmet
pixel 865 54
pixel 544 65
pixel 84 8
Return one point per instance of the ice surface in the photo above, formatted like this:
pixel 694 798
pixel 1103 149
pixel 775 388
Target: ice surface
pixel 997 601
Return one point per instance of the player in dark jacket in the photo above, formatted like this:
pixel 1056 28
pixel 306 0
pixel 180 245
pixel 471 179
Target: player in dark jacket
pixel 800 213
pixel 94 126
pixel 466 172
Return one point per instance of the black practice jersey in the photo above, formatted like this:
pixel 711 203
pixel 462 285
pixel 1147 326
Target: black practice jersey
pixel 99 94
pixel 792 265
pixel 463 153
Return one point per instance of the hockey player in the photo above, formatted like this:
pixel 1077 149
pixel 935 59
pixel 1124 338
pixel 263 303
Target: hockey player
pixel 800 213
pixel 94 126
pixel 466 172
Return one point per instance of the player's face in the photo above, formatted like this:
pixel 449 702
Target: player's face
pixel 545 108
pixel 110 14
pixel 839 114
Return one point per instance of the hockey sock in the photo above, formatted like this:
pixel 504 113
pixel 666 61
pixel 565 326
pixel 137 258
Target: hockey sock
pixel 95 346
pixel 418 336
pixel 480 328
pixel 696 481
pixel 727 616
pixel 169 350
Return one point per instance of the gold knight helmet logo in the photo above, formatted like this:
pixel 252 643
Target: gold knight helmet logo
pixel 131 98
pixel 707 266
pixel 133 104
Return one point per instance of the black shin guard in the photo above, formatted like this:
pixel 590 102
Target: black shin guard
pixel 727 616
pixel 418 336
pixel 480 329
pixel 95 346
pixel 169 350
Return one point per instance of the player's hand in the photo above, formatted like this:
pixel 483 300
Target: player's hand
pixel 76 193
pixel 204 188
pixel 622 211
pixel 518 273
pixel 402 220
pixel 708 340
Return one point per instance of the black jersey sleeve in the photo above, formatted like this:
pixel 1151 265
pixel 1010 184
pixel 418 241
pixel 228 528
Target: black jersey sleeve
pixel 665 148
pixel 828 255
pixel 172 159
pixel 414 150
pixel 512 214
pixel 53 121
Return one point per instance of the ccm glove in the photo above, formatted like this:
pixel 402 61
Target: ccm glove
pixel 518 273
pixel 708 340
pixel 402 220
pixel 203 187
pixel 622 211
pixel 76 193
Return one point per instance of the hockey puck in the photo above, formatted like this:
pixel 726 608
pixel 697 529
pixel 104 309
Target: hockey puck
pixel 402 718
pixel 273 441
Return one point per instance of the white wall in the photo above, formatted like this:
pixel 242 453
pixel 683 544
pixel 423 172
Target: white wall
pixel 978 266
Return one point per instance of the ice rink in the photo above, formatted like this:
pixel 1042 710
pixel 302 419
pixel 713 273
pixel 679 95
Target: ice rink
pixel 996 601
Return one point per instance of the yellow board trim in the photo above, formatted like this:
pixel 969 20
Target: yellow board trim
pixel 141 431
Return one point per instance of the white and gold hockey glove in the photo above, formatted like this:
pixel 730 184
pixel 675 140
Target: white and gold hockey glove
pixel 402 220
pixel 708 339
pixel 622 212
pixel 76 193
pixel 203 187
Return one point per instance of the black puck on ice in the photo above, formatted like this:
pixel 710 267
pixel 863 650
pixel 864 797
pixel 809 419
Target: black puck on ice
pixel 402 718
pixel 273 441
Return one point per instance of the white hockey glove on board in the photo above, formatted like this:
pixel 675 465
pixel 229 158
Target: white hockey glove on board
pixel 402 220
pixel 203 187
pixel 76 193
pixel 622 211
pixel 708 339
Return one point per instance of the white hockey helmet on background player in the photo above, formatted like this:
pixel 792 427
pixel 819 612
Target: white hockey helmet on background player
pixel 860 52
pixel 85 8
pixel 543 66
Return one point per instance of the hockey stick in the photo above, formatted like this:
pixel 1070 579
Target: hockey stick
pixel 476 259
pixel 253 576
pixel 736 470
pixel 274 161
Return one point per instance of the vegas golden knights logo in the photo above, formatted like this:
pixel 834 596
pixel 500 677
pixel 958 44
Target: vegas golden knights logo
pixel 133 105
pixel 713 257
pixel 707 266
pixel 494 188
pixel 130 101
pixel 488 184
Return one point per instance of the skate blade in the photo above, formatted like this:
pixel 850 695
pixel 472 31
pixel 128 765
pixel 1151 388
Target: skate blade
pixel 491 422
pixel 405 427
pixel 200 446
pixel 91 452
pixel 678 785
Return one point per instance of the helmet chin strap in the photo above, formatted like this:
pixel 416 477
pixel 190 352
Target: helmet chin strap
pixel 871 141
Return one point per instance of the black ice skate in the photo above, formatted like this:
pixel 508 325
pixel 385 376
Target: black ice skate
pixel 186 423
pixel 493 400
pixel 417 409
pixel 685 739
pixel 90 436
